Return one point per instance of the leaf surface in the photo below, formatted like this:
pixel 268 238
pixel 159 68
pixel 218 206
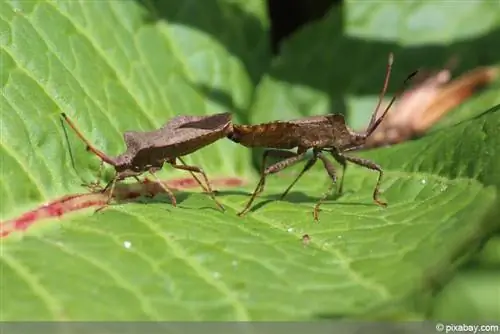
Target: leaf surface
pixel 192 262
pixel 113 67
pixel 118 66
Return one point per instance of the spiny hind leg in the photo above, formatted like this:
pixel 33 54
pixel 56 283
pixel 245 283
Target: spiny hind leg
pixel 194 169
pixel 275 168
pixel 373 166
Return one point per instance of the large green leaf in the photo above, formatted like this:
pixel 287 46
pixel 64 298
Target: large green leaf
pixel 113 67
pixel 357 39
pixel 153 261
pixel 117 66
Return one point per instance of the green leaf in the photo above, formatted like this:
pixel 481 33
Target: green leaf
pixel 337 66
pixel 158 262
pixel 490 253
pixel 117 66
pixel 474 294
pixel 445 151
pixel 112 67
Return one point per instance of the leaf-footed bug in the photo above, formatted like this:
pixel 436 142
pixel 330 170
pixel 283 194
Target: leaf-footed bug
pixel 320 133
pixel 148 151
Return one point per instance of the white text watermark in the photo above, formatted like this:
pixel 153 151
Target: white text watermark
pixel 467 328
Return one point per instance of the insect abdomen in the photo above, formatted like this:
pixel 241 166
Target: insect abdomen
pixel 270 135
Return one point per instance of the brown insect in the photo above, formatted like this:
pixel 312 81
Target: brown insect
pixel 148 151
pixel 327 133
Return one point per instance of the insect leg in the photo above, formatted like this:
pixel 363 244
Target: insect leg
pixel 275 154
pixel 199 170
pixel 342 161
pixel 194 176
pixel 331 172
pixel 307 166
pixel 291 158
pixel 99 173
pixel 111 185
pixel 373 166
pixel 95 186
pixel 164 187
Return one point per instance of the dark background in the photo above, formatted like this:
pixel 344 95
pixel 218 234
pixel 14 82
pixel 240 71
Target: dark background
pixel 289 15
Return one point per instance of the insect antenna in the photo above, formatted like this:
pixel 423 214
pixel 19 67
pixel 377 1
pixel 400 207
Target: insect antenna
pixel 390 61
pixel 69 145
pixel 90 147
pixel 373 126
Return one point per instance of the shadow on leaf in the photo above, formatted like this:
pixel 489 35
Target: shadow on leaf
pixel 215 18
pixel 309 56
pixel 292 197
